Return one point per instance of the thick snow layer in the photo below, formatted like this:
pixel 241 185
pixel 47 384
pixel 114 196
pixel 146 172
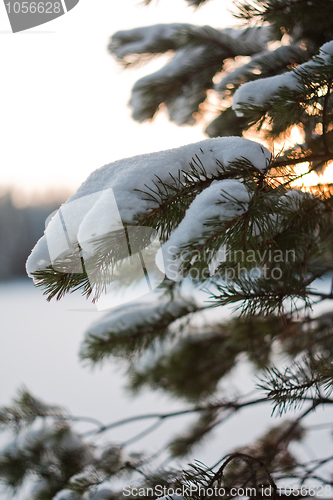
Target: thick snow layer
pixel 224 200
pixel 84 213
pixel 260 92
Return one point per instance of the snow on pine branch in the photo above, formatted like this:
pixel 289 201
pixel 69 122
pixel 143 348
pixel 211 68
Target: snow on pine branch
pixel 223 200
pixel 248 41
pixel 33 449
pixel 154 39
pixel 244 42
pixel 128 330
pixel 117 193
pixel 214 221
pixel 181 84
pixel 160 38
pixel 262 92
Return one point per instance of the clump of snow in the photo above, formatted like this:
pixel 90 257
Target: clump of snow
pixel 296 196
pixel 260 92
pixel 326 51
pixel 118 185
pixel 223 200
pixel 102 218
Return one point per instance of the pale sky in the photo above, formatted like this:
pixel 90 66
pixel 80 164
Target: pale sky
pixel 64 99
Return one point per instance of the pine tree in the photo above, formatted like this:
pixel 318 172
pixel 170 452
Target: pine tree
pixel 235 220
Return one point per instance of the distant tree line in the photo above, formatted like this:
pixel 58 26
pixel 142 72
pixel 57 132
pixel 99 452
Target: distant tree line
pixel 20 228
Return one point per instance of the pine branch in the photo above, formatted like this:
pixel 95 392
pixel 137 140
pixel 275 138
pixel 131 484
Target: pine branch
pixel 184 444
pixel 141 44
pixel 171 199
pixel 262 296
pixel 209 407
pixel 209 353
pixel 320 158
pixel 303 22
pixel 25 410
pixel 127 334
pixel 289 389
pixel 234 42
pixel 177 86
pixel 226 124
pixel 288 99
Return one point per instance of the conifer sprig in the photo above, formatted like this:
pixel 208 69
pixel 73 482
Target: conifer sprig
pixel 308 379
